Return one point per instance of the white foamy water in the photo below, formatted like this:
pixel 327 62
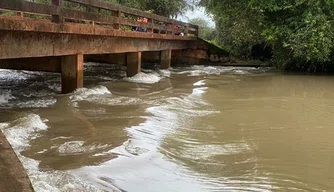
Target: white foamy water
pixel 212 70
pixel 37 103
pixel 165 72
pixel 19 133
pixel 200 83
pixel 148 78
pixel 89 94
pixel 75 147
pixel 101 95
pixel 5 96
pixel 84 93
pixel 13 75
pixel 199 71
pixel 142 148
pixel 119 100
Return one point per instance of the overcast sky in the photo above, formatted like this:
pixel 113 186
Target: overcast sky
pixel 199 12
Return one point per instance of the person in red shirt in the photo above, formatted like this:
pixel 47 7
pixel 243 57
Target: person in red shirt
pixel 177 27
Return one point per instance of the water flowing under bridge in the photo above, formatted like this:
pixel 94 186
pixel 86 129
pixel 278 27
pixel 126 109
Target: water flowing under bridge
pixel 55 37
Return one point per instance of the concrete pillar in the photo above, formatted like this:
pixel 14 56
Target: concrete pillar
pixel 166 59
pixel 133 63
pixel 71 73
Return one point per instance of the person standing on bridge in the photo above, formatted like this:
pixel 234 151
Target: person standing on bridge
pixel 141 20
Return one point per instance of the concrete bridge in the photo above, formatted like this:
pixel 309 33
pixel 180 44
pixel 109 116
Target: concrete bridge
pixel 57 38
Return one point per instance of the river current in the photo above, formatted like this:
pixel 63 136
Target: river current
pixel 195 128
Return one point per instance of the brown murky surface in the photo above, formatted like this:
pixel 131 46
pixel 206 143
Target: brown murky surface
pixel 187 129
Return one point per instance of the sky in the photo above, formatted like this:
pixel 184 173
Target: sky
pixel 198 12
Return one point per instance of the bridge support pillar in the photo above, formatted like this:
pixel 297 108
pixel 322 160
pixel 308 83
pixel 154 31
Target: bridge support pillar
pixel 133 63
pixel 165 59
pixel 71 73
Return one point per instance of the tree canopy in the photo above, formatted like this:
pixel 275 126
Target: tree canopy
pixel 205 31
pixel 300 32
pixel 167 8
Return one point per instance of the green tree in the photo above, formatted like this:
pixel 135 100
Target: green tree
pixel 205 31
pixel 167 8
pixel 300 32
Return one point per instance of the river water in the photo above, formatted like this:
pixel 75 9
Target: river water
pixel 196 128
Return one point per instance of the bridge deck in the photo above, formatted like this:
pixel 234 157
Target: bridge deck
pixel 95 18
pixel 67 27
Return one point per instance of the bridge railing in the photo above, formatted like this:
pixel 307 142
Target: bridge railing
pixel 100 12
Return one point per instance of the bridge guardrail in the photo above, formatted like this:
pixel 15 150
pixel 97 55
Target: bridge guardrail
pixel 99 12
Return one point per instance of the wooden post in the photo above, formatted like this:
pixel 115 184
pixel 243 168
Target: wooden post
pixel 196 31
pixel 160 27
pixel 170 27
pixel 20 14
pixel 165 59
pixel 57 18
pixel 186 27
pixel 173 26
pixel 133 63
pixel 71 73
pixel 150 22
pixel 116 14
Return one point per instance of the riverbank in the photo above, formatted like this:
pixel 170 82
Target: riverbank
pixel 13 177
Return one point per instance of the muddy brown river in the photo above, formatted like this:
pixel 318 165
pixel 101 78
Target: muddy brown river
pixel 196 129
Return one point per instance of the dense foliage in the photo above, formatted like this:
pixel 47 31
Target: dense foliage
pixel 299 32
pixel 167 8
pixel 205 31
